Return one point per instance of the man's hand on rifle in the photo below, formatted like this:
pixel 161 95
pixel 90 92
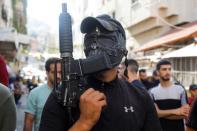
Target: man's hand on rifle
pixel 91 104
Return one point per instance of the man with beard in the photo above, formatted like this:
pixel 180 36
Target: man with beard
pixel 170 99
pixel 39 95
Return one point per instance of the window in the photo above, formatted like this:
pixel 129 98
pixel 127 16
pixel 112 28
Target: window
pixel 103 2
pixel 4 13
pixel 133 1
pixel 113 15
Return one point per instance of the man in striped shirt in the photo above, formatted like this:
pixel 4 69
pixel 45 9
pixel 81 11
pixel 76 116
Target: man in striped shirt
pixel 170 99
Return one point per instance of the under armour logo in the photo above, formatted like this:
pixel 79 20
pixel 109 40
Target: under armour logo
pixel 127 109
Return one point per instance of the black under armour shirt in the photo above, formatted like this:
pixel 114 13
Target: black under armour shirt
pixel 128 109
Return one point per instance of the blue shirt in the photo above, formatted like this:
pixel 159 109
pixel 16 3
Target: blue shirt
pixel 36 101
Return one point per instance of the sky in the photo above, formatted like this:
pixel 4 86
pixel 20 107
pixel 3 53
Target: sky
pixel 46 11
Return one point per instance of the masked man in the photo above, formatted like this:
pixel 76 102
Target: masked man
pixel 109 104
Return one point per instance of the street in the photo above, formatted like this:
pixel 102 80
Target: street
pixel 20 112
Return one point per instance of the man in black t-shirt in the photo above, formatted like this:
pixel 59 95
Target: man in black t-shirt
pixel 109 104
pixel 192 120
pixel 131 73
pixel 144 79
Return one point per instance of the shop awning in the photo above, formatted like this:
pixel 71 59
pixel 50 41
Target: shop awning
pixel 188 51
pixel 188 31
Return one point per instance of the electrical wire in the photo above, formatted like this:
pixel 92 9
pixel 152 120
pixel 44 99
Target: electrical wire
pixel 144 5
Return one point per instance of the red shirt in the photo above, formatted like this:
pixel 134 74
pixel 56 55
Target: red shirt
pixel 4 77
pixel 190 100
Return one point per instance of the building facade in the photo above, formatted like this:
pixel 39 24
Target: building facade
pixel 13 39
pixel 154 28
pixel 163 26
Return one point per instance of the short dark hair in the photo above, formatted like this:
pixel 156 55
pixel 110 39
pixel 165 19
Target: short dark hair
pixel 133 65
pixel 50 61
pixel 162 62
pixel 142 70
pixel 154 73
pixel 192 87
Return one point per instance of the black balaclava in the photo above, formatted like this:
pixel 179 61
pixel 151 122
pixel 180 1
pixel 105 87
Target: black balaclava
pixel 104 36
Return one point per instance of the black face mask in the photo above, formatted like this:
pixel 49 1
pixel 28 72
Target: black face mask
pixel 105 43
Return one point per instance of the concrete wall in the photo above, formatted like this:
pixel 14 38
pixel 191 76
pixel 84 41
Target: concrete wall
pixel 143 20
pixel 152 18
